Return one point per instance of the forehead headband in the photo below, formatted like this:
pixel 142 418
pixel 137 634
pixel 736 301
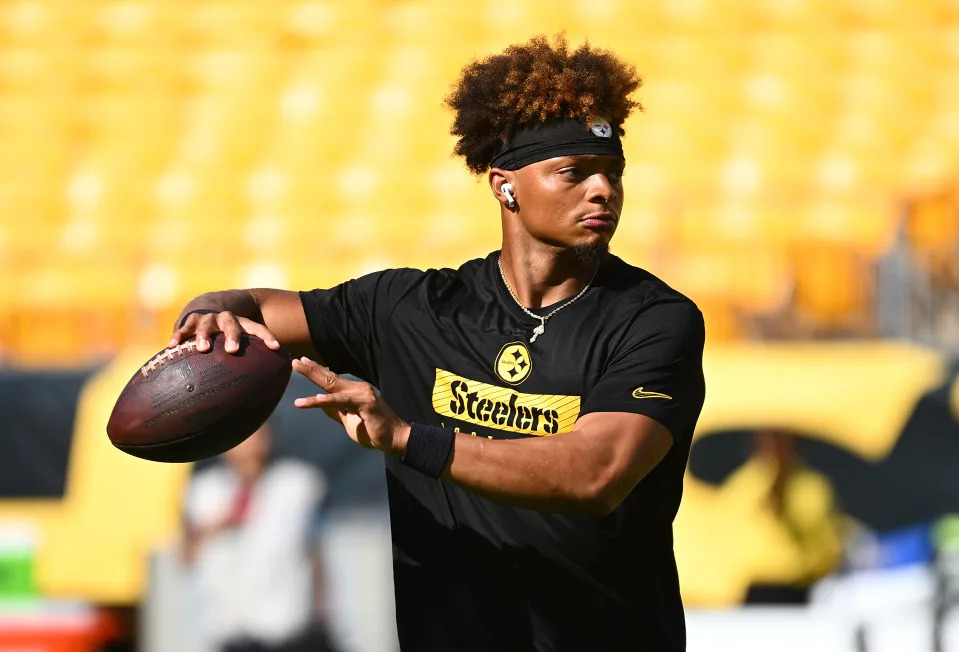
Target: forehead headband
pixel 560 137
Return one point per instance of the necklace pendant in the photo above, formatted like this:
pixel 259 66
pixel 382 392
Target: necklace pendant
pixel 539 330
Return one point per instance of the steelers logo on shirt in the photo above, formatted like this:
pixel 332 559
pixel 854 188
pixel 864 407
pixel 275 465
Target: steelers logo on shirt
pixel 513 363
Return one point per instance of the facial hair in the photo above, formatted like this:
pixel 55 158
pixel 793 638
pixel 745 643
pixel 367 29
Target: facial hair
pixel 591 255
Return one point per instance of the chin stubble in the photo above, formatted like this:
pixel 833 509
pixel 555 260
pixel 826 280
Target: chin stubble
pixel 591 254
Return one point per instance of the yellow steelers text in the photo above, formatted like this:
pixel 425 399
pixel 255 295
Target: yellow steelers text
pixel 503 408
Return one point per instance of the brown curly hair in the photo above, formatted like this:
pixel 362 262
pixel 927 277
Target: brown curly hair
pixel 534 82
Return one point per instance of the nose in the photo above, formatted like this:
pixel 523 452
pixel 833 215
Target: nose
pixel 601 190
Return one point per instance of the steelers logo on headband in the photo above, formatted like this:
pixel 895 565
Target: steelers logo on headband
pixel 601 128
pixel 560 137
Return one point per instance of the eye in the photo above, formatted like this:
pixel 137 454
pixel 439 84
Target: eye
pixel 615 176
pixel 573 173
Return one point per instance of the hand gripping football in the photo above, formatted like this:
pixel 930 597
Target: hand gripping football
pixel 183 405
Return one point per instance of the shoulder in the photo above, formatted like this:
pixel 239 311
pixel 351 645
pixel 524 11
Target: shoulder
pixel 468 272
pixel 640 294
pixel 436 283
pixel 638 285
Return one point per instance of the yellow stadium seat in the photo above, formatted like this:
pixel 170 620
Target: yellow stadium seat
pixel 311 22
pixel 263 272
pixel 834 289
pixel 324 264
pixel 703 17
pixel 180 130
pixel 196 276
pixel 723 322
pixel 880 12
pixel 39 23
pixel 28 207
pixel 7 319
pixel 127 69
pixel 133 22
pixel 211 237
pixel 36 69
pixel 928 166
pixel 31 242
pixel 35 119
pixel 102 191
pixel 751 278
pixel 808 14
pixel 932 224
pixel 63 315
pixel 231 71
pixel 735 222
pixel 244 23
pixel 200 201
pixel 862 224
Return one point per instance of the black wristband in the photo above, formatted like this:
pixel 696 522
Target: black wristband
pixel 428 449
pixel 198 311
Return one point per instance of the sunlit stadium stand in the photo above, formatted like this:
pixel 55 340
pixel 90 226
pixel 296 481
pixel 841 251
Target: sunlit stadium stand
pixel 795 170
pixel 153 149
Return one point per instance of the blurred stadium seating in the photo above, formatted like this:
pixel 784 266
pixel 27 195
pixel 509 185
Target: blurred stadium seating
pixel 153 149
pixel 795 171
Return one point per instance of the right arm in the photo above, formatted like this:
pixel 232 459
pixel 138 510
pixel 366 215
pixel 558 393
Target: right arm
pixel 275 316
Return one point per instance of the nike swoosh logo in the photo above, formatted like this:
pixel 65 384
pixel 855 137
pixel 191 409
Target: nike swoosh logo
pixel 639 392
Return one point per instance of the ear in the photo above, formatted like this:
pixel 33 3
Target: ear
pixel 497 178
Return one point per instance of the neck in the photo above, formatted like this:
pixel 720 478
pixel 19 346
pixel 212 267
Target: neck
pixel 541 275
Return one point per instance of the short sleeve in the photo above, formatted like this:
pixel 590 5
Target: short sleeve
pixel 348 323
pixel 657 370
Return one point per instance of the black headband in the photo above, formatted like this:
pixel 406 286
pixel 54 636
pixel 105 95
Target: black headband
pixel 560 137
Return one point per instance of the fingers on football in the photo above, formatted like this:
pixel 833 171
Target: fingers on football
pixel 261 331
pixel 203 327
pixel 226 323
pixel 206 327
pixel 188 329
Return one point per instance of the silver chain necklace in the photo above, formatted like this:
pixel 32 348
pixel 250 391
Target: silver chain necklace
pixel 539 330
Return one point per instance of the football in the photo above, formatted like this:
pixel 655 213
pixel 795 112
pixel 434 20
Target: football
pixel 183 405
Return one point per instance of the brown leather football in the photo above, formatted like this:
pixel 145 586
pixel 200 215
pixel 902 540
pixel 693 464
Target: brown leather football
pixel 183 405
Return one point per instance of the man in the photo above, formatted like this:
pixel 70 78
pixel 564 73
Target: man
pixel 247 537
pixel 536 406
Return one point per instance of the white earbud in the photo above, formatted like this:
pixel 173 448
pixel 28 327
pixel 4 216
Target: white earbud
pixel 507 189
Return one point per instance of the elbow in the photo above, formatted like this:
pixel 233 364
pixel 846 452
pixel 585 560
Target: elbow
pixel 601 498
pixel 601 505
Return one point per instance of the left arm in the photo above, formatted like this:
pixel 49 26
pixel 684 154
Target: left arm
pixel 588 470
pixel 623 432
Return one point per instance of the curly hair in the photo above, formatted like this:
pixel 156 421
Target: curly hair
pixel 531 83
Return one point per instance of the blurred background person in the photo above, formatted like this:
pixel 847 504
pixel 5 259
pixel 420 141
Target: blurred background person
pixel 249 540
pixel 797 506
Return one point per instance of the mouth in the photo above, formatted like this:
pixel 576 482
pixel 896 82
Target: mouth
pixel 600 220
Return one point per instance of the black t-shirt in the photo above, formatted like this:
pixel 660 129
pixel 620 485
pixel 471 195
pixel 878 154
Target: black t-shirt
pixel 451 347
